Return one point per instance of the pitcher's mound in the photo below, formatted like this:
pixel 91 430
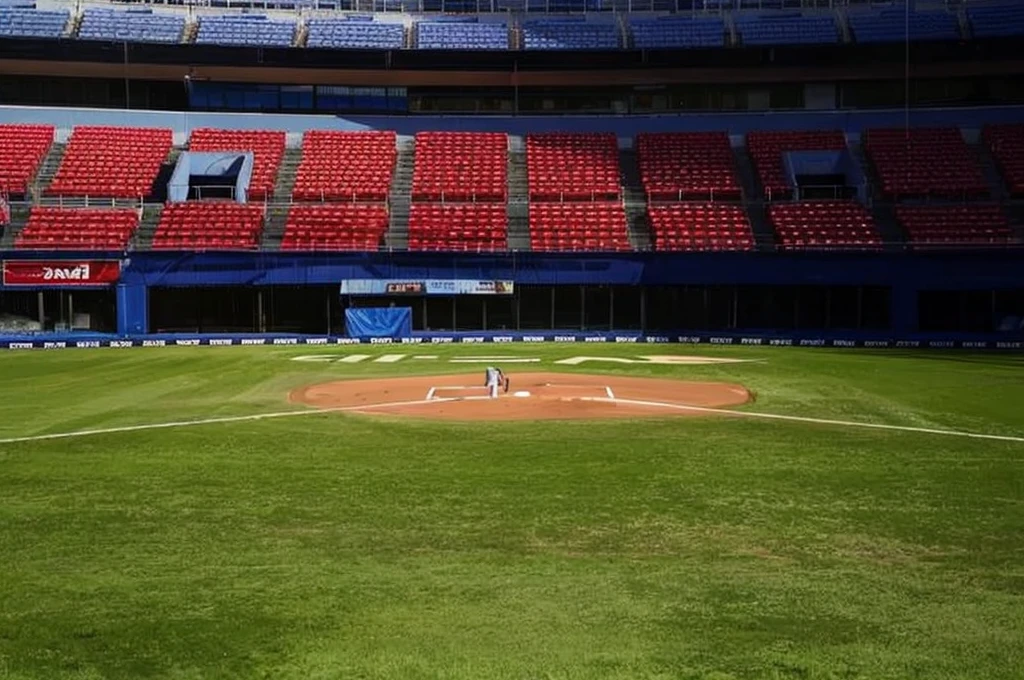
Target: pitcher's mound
pixel 536 396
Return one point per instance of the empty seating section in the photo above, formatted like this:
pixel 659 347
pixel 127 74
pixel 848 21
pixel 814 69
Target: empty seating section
pixel 823 224
pixel 766 149
pixel 245 29
pixel 22 149
pixel 209 225
pixel 924 162
pixel 77 229
pixel 672 32
pixel 470 227
pixel 890 25
pixel 345 226
pixel 461 36
pixel 1006 142
pixel 569 35
pixel 700 226
pixel 119 162
pixel 572 166
pixel 786 29
pixel 345 166
pixel 996 21
pixel 680 166
pixel 131 26
pixel 599 226
pixel 355 34
pixel 937 225
pixel 267 147
pixel 21 22
pixel 460 166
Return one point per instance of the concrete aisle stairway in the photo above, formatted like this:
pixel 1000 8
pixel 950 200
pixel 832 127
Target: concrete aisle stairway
pixel 276 217
pixel 397 237
pixel 143 239
pixel 19 217
pixel 48 169
pixel 638 222
pixel 274 222
pixel 990 170
pixel 764 235
pixel 883 212
pixel 518 198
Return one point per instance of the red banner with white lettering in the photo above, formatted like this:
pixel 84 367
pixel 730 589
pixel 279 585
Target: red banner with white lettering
pixel 61 273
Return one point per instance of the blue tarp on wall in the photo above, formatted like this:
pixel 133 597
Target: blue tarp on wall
pixel 378 322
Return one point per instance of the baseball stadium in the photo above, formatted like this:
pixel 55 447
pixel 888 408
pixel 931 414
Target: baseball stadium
pixel 511 339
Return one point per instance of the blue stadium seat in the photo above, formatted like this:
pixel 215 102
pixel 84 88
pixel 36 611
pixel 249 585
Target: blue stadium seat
pixel 786 29
pixel 890 26
pixel 131 26
pixel 462 36
pixel 23 22
pixel 245 29
pixel 997 21
pixel 355 33
pixel 552 34
pixel 677 32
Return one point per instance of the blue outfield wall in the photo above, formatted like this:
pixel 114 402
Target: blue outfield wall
pixel 623 126
pixel 836 341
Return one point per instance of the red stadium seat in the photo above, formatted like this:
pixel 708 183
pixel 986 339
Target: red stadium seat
pixel 1006 142
pixel 700 226
pixel 77 229
pixel 573 167
pixel 924 162
pixel 209 225
pixel 766 149
pixel 688 165
pixel 111 162
pixel 461 166
pixel 473 227
pixel 824 225
pixel 22 149
pixel 339 226
pixel 267 147
pixel 345 166
pixel 599 226
pixel 941 225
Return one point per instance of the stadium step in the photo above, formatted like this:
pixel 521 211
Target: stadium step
pixel 19 217
pixel 990 170
pixel 397 237
pixel 764 235
pixel 884 214
pixel 286 174
pixel 274 224
pixel 638 224
pixel 143 239
pixel 518 198
pixel 48 169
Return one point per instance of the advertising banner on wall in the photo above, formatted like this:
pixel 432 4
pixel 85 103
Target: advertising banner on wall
pixel 425 287
pixel 60 273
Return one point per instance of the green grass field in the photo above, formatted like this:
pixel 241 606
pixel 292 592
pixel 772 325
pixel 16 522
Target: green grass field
pixel 354 546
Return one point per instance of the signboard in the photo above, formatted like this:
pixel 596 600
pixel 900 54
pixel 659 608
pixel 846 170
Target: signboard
pixel 60 273
pixel 425 287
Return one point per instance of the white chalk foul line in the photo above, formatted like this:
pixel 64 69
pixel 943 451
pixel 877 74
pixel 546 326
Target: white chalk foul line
pixel 804 419
pixel 224 419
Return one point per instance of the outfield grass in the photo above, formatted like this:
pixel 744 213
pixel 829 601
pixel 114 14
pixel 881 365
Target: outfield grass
pixel 353 546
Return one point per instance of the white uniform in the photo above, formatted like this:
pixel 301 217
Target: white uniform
pixel 493 381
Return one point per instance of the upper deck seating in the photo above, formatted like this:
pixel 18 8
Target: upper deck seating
pixel 354 33
pixel 245 29
pixel 460 166
pixel 136 25
pixel 687 165
pixel 677 32
pixel 22 149
pixel 118 162
pixel 345 166
pixel 461 35
pixel 554 34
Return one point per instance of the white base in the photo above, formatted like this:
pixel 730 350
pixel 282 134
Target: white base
pixel 520 394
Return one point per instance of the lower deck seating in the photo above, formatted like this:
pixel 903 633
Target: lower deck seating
pixel 471 227
pixel 78 229
pixel 1006 143
pixel 22 149
pixel 937 225
pixel 599 226
pixel 349 226
pixel 824 224
pixel 700 226
pixel 209 225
